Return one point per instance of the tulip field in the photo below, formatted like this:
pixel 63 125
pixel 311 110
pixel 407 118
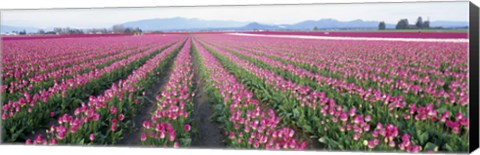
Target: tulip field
pixel 264 92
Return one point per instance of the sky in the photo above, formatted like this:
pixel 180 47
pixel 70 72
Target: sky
pixel 266 14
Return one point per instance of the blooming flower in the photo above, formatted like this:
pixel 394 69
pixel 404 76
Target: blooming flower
pixel 121 117
pixel 92 136
pixel 143 137
pixel 187 127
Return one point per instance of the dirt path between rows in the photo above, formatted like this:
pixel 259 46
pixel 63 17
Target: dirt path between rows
pixel 209 133
pixel 132 137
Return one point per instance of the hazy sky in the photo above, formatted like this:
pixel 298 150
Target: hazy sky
pixel 388 12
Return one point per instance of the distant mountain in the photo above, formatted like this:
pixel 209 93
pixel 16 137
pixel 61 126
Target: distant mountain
pixel 448 24
pixel 179 23
pixel 7 28
pixel 335 24
pixel 259 26
pixel 184 24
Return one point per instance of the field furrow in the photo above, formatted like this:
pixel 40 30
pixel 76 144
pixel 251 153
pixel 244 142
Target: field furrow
pixel 246 122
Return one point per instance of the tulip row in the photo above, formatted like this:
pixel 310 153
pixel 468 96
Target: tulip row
pixel 266 93
pixel 23 116
pixel 375 95
pixel 18 89
pixel 60 53
pixel 441 118
pixel 104 118
pixel 30 76
pixel 446 91
pixel 52 65
pixel 248 123
pixel 406 82
pixel 32 52
pixel 423 140
pixel 170 125
pixel 340 64
pixel 413 93
pixel 377 50
pixel 340 87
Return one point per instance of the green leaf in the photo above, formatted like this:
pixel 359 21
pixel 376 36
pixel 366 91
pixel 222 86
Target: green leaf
pixel 118 134
pixel 423 137
pixel 296 113
pixel 307 128
pixel 448 147
pixel 430 146
pixel 323 140
pixel 81 142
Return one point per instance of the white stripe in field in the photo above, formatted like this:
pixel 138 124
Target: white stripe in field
pixel 354 38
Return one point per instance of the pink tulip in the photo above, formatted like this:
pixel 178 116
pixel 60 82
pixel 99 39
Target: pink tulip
pixel 371 144
pixel 344 116
pixel 121 117
pixel 4 116
pixel 356 136
pixel 172 136
pixel 113 127
pixel 391 143
pixel 143 137
pixel 147 124
pixel 92 136
pixel 414 149
pixel 368 118
pixel 113 110
pixel 187 127
pixel 29 141
pixel 256 144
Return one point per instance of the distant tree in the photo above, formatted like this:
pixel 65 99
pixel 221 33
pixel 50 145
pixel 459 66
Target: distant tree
pixel 315 28
pixel 41 31
pixel 402 24
pixel 128 30
pixel 118 29
pixel 78 31
pixel 138 30
pixel 104 30
pixel 426 24
pixel 382 26
pixel 22 32
pixel 419 23
pixel 66 30
pixel 57 30
pixel 96 31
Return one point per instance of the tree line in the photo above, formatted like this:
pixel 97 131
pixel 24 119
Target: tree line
pixel 116 29
pixel 404 24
